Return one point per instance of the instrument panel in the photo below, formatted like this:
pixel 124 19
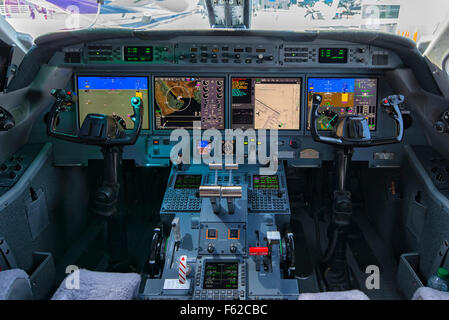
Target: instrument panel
pixel 204 51
pixel 256 102
pixel 218 83
pixel 247 81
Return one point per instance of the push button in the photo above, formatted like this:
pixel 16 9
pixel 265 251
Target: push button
pixel 211 234
pixel 258 251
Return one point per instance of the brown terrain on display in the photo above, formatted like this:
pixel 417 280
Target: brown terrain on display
pixel 178 89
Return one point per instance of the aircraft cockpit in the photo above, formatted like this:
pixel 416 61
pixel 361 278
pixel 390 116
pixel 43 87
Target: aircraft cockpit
pixel 242 161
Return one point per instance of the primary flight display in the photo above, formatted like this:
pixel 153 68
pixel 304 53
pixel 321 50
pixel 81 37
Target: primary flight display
pixel 112 96
pixel 342 97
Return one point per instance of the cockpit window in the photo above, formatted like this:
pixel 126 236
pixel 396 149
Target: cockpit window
pixel 415 19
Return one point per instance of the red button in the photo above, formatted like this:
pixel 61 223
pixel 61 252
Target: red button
pixel 258 251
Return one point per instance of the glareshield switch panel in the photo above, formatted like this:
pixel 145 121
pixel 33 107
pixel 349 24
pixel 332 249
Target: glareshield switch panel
pixel 226 54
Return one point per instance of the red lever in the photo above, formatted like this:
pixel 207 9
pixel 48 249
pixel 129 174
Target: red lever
pixel 258 251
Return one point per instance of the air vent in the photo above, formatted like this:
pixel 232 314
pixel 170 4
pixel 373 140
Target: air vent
pixel 99 53
pixel 72 57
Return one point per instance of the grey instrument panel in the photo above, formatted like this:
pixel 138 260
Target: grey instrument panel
pixel 227 52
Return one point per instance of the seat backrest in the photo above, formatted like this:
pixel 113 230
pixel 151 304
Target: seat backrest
pixel 334 295
pixel 15 285
pixel 426 293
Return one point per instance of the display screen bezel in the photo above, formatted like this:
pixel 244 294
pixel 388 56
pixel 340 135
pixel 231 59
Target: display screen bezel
pixel 145 105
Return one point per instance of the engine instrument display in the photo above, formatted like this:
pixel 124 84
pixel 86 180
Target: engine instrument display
pixel 138 54
pixel 265 182
pixel 333 55
pixel 179 101
pixel 188 181
pixel 221 275
pixel 342 97
pixel 112 96
pixel 266 103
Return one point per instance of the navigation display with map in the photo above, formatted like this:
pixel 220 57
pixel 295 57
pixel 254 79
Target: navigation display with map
pixel 266 103
pixel 179 101
pixel 112 96
pixel 342 97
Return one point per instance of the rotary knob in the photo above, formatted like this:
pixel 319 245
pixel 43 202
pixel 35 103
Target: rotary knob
pixel 440 126
pixel 210 248
pixel 233 248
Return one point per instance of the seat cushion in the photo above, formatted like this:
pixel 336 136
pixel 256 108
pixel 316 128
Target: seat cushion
pixel 426 293
pixel 15 285
pixel 334 295
pixel 90 285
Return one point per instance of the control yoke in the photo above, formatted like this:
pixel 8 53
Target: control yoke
pixel 353 130
pixel 108 133
pixel 350 132
pixel 97 129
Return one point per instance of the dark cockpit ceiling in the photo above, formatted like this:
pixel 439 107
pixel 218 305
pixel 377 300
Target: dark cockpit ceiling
pixel 228 55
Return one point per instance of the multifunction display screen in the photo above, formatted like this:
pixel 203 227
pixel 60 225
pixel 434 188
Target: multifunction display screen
pixel 180 101
pixel 221 275
pixel 333 55
pixel 266 103
pixel 188 181
pixel 265 182
pixel 138 54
